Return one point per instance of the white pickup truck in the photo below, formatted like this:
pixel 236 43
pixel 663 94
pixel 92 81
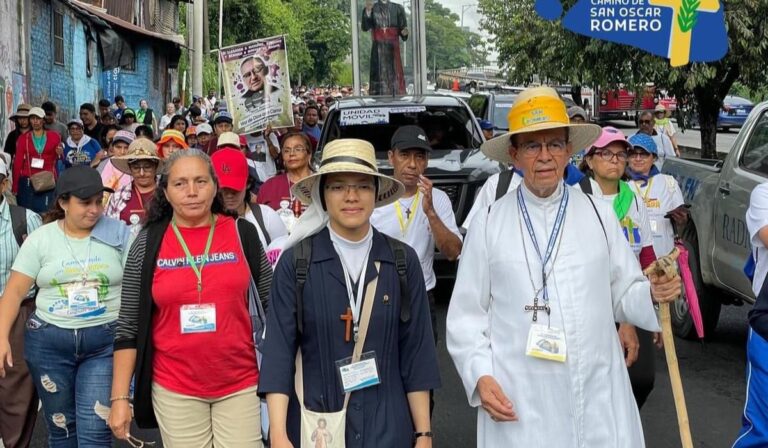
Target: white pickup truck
pixel 717 236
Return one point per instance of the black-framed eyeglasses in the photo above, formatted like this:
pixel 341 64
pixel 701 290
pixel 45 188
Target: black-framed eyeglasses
pixel 609 155
pixel 639 155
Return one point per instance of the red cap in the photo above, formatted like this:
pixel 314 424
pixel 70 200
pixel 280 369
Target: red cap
pixel 231 168
pixel 243 142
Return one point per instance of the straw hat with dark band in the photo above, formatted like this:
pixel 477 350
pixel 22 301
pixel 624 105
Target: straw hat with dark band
pixel 539 109
pixel 139 149
pixel 350 156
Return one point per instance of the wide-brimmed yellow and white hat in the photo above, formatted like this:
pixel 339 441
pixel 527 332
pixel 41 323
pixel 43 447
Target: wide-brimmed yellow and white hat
pixel 349 155
pixel 539 109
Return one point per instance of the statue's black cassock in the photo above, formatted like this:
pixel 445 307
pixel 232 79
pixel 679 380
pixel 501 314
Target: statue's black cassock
pixel 387 20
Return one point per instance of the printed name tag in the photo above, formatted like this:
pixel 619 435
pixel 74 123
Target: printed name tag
pixel 198 318
pixel 37 163
pixel 82 300
pixel 358 375
pixel 546 343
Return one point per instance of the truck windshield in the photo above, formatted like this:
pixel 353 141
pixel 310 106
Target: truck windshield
pixel 448 128
pixel 500 113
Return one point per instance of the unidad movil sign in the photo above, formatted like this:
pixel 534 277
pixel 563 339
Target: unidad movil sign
pixel 681 30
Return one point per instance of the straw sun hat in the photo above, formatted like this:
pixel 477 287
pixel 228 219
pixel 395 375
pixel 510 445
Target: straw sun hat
pixel 539 109
pixel 350 156
pixel 139 149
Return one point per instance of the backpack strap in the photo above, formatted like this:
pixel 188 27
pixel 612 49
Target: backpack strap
pixel 302 254
pixel 586 188
pixel 598 217
pixel 505 179
pixel 256 209
pixel 398 249
pixel 19 223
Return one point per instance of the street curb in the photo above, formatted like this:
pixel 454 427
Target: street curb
pixel 695 152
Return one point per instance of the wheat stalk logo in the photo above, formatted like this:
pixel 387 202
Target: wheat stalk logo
pixel 687 14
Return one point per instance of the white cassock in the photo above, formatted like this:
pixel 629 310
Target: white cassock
pixel 586 401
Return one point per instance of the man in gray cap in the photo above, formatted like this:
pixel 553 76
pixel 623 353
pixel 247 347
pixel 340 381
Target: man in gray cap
pixel 423 218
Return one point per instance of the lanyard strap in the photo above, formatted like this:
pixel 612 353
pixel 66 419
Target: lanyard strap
pixel 198 270
pixel 355 302
pixel 83 266
pixel 404 224
pixel 555 229
pixel 647 190
pixel 141 200
pixel 553 238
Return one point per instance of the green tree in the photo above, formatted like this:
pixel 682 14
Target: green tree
pixel 546 50
pixel 448 46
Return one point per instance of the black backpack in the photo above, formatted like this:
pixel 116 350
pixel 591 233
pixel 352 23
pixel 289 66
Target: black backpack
pixel 505 178
pixel 302 255
pixel 256 209
pixel 19 223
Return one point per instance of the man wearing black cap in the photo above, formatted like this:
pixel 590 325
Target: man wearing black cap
pixel 423 218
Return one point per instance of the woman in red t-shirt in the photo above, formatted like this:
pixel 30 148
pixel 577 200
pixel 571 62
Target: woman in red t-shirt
pixel 184 325
pixel 36 151
pixel 297 156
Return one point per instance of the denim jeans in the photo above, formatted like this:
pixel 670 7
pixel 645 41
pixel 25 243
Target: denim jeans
pixel 72 370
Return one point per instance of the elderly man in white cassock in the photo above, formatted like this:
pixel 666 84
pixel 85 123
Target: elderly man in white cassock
pixel 544 275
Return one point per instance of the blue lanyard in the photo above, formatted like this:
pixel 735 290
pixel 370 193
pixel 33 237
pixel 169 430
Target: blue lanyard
pixel 556 230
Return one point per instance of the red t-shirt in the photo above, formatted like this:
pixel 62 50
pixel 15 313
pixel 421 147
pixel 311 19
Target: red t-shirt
pixel 137 205
pixel 275 190
pixel 204 365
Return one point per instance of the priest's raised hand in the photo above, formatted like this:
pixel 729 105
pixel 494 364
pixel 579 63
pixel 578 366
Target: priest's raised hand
pixel 665 288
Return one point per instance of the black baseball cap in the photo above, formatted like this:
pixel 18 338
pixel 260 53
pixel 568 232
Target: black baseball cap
pixel 410 137
pixel 80 181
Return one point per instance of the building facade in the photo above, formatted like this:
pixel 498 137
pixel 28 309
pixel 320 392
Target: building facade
pixel 73 52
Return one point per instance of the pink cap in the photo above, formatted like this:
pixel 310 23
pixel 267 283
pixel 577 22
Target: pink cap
pixel 610 135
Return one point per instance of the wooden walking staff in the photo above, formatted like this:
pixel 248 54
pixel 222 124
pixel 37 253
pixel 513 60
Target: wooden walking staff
pixel 667 265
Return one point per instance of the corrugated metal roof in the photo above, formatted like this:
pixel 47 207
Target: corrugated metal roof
pixel 127 26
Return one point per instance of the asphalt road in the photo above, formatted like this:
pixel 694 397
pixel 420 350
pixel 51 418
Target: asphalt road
pixel 713 378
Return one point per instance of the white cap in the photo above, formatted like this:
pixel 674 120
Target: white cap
pixel 203 128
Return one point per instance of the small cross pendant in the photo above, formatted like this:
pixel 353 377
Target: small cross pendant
pixel 347 318
pixel 536 308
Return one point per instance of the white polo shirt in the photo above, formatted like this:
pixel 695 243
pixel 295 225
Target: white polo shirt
pixel 661 195
pixel 417 233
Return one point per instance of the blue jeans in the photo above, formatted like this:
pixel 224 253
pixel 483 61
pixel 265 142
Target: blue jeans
pixel 72 370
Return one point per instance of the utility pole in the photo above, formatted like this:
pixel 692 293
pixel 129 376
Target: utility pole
pixel 197 45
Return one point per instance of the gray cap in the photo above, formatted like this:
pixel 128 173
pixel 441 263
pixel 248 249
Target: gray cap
pixel 575 111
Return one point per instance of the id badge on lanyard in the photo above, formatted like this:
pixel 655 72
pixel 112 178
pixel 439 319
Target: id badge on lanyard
pixel 199 317
pixel 546 342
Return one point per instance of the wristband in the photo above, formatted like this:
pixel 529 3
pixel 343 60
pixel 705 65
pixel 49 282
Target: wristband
pixel 120 397
pixel 416 435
